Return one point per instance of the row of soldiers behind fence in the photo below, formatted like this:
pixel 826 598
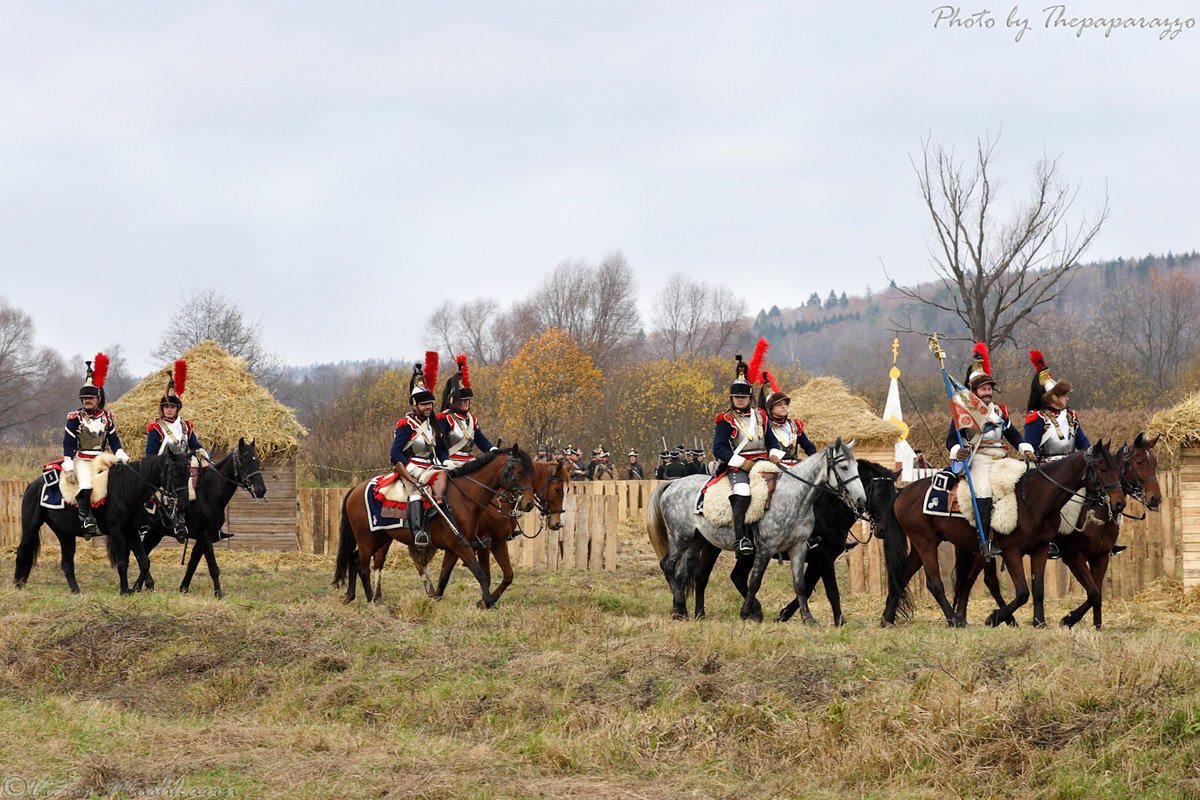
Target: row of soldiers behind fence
pixel 674 463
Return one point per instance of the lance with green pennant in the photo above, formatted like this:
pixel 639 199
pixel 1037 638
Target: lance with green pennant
pixel 963 413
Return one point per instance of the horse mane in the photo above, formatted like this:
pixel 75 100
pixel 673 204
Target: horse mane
pixel 476 464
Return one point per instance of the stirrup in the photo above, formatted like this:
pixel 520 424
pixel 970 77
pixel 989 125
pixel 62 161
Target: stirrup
pixel 88 524
pixel 1117 549
pixel 745 545
pixel 223 534
pixel 1054 554
pixel 989 550
pixel 421 537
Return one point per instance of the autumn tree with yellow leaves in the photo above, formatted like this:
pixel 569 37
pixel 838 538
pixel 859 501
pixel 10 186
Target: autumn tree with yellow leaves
pixel 549 390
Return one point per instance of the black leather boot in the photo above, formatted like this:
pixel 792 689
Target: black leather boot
pixel 86 521
pixel 1055 554
pixel 743 539
pixel 416 523
pixel 988 548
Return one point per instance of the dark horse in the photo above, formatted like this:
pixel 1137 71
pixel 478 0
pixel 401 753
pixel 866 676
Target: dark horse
pixel 1042 492
pixel 498 523
pixel 1086 551
pixel 215 487
pixel 508 470
pixel 834 519
pixel 129 487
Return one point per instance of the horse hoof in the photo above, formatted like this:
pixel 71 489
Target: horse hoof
pixel 993 620
pixel 812 622
pixel 217 593
pixel 1037 623
pixel 753 616
pixel 1067 622
pixel 700 615
pixel 839 621
pixel 959 623
pixel 347 600
pixel 183 590
pixel 75 590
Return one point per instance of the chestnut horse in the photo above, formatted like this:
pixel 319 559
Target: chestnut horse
pixel 1042 492
pixel 500 472
pixel 550 483
pixel 1085 552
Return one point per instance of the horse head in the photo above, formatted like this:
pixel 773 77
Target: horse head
pixel 174 473
pixel 841 474
pixel 552 491
pixel 1100 462
pixel 517 478
pixel 1139 471
pixel 249 469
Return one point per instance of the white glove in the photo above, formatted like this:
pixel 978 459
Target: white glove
pixel 122 456
pixel 202 454
pixel 68 464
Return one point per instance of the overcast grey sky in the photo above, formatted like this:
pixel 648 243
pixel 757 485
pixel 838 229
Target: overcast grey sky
pixel 338 169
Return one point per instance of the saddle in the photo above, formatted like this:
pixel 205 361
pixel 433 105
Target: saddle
pixel 948 496
pixel 60 488
pixel 713 498
pixel 387 502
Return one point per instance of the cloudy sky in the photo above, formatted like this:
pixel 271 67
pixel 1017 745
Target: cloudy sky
pixel 338 169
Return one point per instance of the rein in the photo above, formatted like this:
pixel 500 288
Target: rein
pixel 1091 480
pixel 842 492
pixel 509 493
pixel 242 479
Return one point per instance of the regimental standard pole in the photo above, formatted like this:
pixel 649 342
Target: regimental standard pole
pixel 936 348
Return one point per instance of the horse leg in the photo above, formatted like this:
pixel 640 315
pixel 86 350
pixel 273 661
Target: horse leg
pixel 671 565
pixel 1037 568
pixel 1016 571
pixel 421 556
pixel 933 582
pixel 142 558
pixel 467 556
pixel 193 562
pixel 709 553
pixel 378 559
pixel 828 575
pixel 1099 568
pixel 67 562
pixel 449 559
pixel 153 536
pixel 365 552
pixel 118 550
pixel 1078 564
pixel 214 572
pixel 911 565
pixel 740 574
pixel 799 581
pixel 504 562
pixel 751 608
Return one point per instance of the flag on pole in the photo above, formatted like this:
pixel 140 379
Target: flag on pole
pixel 966 410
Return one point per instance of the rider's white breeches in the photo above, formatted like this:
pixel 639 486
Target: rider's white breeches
pixel 83 473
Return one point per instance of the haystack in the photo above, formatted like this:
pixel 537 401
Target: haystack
pixel 829 410
pixel 221 398
pixel 1180 425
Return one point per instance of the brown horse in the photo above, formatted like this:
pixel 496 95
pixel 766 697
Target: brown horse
pixel 1087 551
pixel 550 483
pixel 472 489
pixel 1043 492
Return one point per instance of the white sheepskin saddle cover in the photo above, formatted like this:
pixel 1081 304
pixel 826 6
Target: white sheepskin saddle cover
pixel 1006 472
pixel 69 484
pixel 716 500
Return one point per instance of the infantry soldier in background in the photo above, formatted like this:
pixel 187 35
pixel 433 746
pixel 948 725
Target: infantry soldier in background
pixel 633 470
pixel 89 430
pixel 660 471
pixel 696 465
pixel 675 467
pixel 578 473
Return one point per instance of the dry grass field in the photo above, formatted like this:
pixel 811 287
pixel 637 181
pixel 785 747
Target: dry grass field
pixel 576 685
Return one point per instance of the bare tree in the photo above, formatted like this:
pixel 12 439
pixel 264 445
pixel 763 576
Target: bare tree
pixel 597 305
pixel 24 370
pixel 208 314
pixel 998 270
pixel 696 320
pixel 473 327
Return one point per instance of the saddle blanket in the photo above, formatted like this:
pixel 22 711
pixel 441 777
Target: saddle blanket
pixel 59 488
pixel 387 503
pixel 1005 475
pixel 712 501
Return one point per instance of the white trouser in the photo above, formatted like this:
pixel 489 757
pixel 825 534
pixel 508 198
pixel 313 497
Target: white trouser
pixel 423 475
pixel 83 473
pixel 981 469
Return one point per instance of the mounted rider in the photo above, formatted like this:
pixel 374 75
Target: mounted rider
pixel 89 430
pixel 742 436
pixel 459 427
pixel 788 430
pixel 1051 428
pixel 418 448
pixel 981 448
pixel 170 430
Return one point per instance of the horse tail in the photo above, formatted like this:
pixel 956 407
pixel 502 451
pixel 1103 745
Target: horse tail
pixel 964 561
pixel 656 526
pixel 347 552
pixel 31 533
pixel 895 550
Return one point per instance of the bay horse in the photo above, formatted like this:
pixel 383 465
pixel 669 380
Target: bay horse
pixel 215 487
pixel 551 480
pixel 1087 551
pixel 677 531
pixel 129 487
pixel 507 470
pixel 1043 491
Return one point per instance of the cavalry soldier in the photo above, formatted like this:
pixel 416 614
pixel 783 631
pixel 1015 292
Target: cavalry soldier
pixel 981 448
pixel 634 471
pixel 459 427
pixel 170 430
pixel 742 436
pixel 789 431
pixel 1052 429
pixel 418 447
pixel 88 431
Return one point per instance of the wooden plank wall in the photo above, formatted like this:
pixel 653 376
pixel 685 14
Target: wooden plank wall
pixel 270 525
pixel 1189 517
pixel 11 491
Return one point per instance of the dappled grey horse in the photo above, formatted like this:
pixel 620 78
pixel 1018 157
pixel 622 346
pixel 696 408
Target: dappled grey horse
pixel 676 529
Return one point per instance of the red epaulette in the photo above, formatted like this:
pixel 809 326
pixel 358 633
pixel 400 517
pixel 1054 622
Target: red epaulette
pixel 799 426
pixel 72 415
pixel 442 415
pixel 724 416
pixel 1032 417
pixel 187 427
pixel 1073 415
pixel 151 426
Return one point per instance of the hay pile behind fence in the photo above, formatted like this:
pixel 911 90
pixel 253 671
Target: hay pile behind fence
pixel 1179 425
pixel 829 410
pixel 222 399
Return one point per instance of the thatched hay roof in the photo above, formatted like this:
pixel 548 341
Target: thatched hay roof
pixel 222 399
pixel 1179 425
pixel 829 410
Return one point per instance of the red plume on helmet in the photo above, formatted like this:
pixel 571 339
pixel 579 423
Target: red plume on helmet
pixel 1037 359
pixel 431 369
pixel 461 360
pixel 100 372
pixel 180 376
pixel 770 376
pixel 981 351
pixel 754 372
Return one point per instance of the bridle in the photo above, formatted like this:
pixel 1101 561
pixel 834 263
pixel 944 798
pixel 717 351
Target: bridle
pixel 1092 481
pixel 241 478
pixel 509 493
pixel 832 476
pixel 1134 485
